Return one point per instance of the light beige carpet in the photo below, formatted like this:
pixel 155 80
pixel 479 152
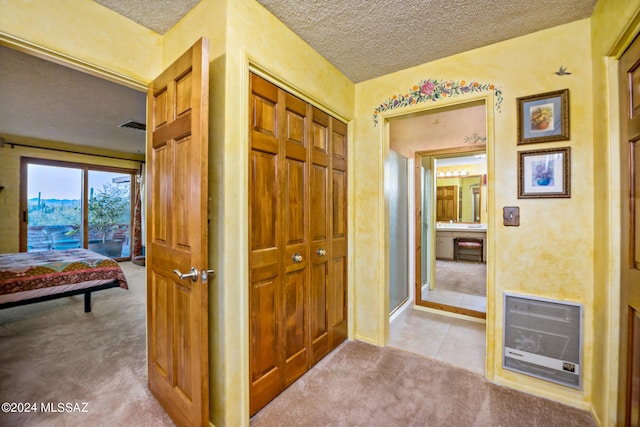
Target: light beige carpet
pixel 462 276
pixel 364 385
pixel 53 352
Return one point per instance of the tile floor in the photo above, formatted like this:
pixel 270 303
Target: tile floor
pixel 456 299
pixel 456 341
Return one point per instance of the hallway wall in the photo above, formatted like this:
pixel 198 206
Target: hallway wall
pixel 551 253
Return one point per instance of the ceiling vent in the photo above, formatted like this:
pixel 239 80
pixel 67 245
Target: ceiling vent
pixel 134 125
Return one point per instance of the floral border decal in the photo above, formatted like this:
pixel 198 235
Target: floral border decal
pixel 432 90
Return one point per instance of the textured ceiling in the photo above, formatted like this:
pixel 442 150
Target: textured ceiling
pixel 370 38
pixel 40 99
pixel 362 38
pixel 157 15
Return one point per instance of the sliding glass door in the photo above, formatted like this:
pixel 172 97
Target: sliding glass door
pixel 109 213
pixel 54 208
pixel 71 205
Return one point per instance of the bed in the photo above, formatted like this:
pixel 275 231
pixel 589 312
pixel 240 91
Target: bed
pixel 29 277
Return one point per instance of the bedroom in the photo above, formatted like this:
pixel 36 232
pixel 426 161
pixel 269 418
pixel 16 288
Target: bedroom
pixel 50 103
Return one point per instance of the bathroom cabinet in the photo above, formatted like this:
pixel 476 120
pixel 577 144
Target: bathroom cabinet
pixel 445 236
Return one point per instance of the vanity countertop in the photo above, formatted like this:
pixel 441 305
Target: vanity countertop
pixel 461 227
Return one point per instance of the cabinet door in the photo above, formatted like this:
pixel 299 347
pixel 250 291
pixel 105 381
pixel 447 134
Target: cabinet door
pixel 444 247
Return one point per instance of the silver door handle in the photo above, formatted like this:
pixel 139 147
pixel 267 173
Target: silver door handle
pixel 297 257
pixel 321 252
pixel 205 275
pixel 193 274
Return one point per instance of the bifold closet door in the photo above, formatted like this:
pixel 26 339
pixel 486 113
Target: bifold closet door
pixel 297 238
pixel 328 178
pixel 337 308
pixel 279 244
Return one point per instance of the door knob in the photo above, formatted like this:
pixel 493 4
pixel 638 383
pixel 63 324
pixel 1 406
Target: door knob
pixel 193 274
pixel 297 257
pixel 205 275
pixel 321 252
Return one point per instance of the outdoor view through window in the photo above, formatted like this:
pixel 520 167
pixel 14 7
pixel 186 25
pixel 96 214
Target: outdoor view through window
pixel 55 210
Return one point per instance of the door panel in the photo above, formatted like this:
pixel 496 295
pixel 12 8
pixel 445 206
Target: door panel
pixel 177 309
pixel 265 256
pixel 295 326
pixel 634 201
pixel 338 268
pixel 629 76
pixel 319 224
pixel 291 206
pixel 265 364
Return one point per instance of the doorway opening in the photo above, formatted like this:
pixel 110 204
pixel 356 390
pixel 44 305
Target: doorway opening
pixel 445 199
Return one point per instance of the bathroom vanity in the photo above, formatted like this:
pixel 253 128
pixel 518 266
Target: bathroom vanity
pixel 445 233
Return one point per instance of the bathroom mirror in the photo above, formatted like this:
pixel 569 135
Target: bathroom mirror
pixel 452 276
pixel 459 198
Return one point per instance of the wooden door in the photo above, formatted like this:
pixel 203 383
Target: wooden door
pixel 297 238
pixel 295 241
pixel 279 242
pixel 320 233
pixel 630 234
pixel 265 255
pixel 177 309
pixel 337 304
pixel 447 203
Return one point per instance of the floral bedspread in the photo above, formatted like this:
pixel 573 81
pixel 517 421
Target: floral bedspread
pixel 26 271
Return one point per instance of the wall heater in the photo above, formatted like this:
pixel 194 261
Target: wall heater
pixel 543 338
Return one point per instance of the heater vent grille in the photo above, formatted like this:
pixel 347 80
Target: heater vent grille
pixel 543 338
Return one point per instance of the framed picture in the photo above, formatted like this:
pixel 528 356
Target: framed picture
pixel 543 117
pixel 544 173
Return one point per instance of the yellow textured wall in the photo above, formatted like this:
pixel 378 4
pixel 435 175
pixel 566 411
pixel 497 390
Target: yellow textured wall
pixel 551 253
pixel 241 32
pixel 614 24
pixel 85 30
pixel 10 178
pixel 253 36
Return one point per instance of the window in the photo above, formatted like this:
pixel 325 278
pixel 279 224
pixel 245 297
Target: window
pixel 72 205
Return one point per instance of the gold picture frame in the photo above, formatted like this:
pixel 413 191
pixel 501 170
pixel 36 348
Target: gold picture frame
pixel 544 173
pixel 543 117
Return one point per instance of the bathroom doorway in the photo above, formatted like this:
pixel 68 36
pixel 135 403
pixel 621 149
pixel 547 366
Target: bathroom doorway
pixel 447 272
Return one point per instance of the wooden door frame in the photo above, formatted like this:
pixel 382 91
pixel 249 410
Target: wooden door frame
pixel 453 152
pixel 384 117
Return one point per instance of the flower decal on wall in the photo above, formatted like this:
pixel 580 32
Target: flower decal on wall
pixel 475 138
pixel 433 90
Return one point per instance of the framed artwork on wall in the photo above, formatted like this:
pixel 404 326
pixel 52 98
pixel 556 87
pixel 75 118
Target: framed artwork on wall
pixel 544 173
pixel 543 117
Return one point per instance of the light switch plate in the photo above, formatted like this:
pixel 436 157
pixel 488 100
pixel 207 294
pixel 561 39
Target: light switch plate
pixel 511 216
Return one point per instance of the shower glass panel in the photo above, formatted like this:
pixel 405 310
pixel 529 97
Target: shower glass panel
pixel 396 183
